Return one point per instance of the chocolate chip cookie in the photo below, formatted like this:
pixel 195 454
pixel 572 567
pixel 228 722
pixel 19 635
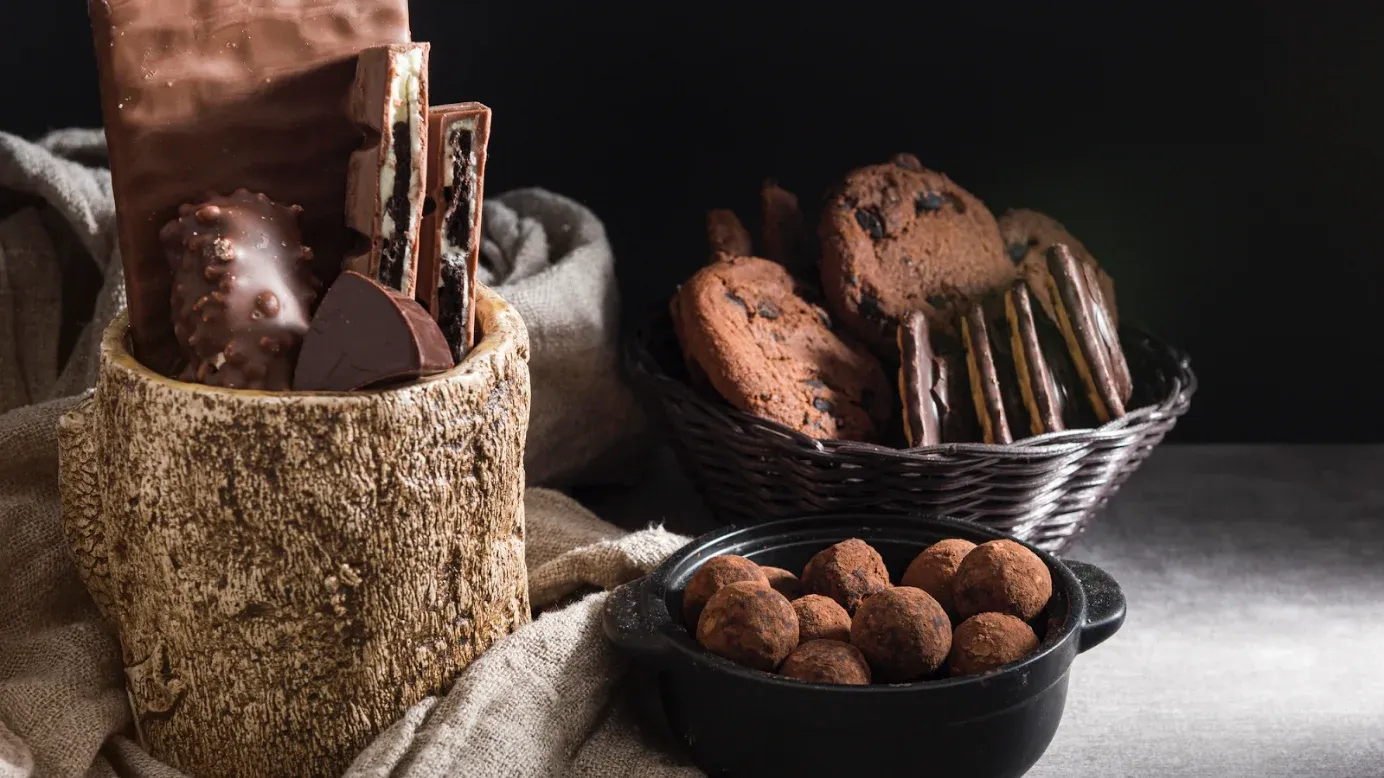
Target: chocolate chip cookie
pixel 1027 237
pixel 897 238
pixel 769 352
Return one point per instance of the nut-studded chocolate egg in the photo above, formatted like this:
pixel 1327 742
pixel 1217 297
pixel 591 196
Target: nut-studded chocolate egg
pixel 243 290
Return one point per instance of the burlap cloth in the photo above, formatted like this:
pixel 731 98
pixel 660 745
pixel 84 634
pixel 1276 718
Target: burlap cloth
pixel 545 701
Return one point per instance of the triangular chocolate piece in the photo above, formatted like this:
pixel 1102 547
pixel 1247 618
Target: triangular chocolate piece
pixel 364 335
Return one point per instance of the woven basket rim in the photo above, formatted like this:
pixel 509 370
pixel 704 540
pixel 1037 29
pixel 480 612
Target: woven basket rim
pixel 643 364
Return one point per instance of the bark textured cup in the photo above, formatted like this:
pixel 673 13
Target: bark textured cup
pixel 287 573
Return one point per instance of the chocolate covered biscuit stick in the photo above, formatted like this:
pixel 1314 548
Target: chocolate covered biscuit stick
pixel 451 236
pixel 215 96
pixel 386 179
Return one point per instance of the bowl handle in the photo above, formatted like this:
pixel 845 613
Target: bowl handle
pixel 627 623
pixel 1105 604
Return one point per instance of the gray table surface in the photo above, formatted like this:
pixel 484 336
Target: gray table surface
pixel 1254 644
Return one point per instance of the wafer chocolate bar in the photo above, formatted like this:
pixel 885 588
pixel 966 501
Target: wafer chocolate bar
pixel 451 238
pixel 387 177
pixel 211 97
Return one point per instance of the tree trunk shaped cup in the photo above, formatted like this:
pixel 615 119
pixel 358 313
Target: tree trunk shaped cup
pixel 287 573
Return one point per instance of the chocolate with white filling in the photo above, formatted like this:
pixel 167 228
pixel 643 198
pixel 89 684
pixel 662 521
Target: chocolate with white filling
pixel 451 236
pixel 385 180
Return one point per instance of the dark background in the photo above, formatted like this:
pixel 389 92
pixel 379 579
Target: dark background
pixel 1222 163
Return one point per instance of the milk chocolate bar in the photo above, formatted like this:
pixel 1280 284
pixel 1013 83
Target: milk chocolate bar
pixel 458 136
pixel 1078 318
pixel 387 177
pixel 210 97
pixel 365 335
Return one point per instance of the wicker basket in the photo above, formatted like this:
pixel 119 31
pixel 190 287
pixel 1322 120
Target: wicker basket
pixel 1043 489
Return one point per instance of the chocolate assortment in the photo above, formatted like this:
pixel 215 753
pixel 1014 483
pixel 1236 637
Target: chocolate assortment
pixel 998 330
pixel 959 609
pixel 259 150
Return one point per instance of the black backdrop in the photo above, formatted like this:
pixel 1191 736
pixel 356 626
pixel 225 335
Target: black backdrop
pixel 1223 165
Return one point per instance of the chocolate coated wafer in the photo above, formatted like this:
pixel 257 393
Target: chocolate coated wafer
pixel 458 136
pixel 1078 317
pixel 387 177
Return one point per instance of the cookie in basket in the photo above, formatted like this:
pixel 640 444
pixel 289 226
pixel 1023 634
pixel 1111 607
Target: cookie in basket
pixel 1027 237
pixel 897 238
pixel 932 387
pixel 1089 333
pixel 771 353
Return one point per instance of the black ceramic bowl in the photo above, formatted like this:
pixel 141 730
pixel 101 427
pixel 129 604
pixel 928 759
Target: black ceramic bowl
pixel 734 721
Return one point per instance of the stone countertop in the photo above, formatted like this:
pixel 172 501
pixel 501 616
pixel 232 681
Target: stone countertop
pixel 1254 644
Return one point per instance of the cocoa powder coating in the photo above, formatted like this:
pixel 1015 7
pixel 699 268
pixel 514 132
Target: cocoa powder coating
pixel 821 618
pixel 827 661
pixel 749 624
pixel 1001 576
pixel 903 633
pixel 988 641
pixel 783 582
pixel 933 570
pixel 847 572
pixel 715 573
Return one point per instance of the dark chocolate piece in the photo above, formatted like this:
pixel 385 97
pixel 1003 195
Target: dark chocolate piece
pixel 243 290
pixel 1042 398
pixel 211 97
pixel 726 235
pixel 1078 319
pixel 366 335
pixel 458 136
pixel 919 374
pixel 387 177
pixel 1110 336
pixel 787 240
pixel 985 382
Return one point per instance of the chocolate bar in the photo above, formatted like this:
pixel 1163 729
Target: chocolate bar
pixel 387 177
pixel 920 374
pixel 458 136
pixel 365 335
pixel 242 290
pixel 212 97
pixel 1077 317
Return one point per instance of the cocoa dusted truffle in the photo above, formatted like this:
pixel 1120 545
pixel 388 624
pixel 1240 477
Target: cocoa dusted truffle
pixel 243 290
pixel 932 570
pixel 1001 577
pixel 988 641
pixel 749 624
pixel 903 633
pixel 821 618
pixel 847 572
pixel 783 582
pixel 827 661
pixel 715 573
